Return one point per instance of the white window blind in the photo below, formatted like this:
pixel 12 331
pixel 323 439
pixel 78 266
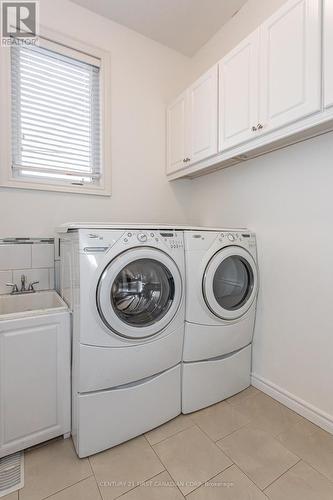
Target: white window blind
pixel 55 116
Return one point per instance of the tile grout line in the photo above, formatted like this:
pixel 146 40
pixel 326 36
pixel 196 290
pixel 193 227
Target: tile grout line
pixel 193 424
pixel 139 485
pixel 165 468
pixel 210 479
pixel 64 489
pixel 262 489
pixel 93 473
pixel 242 399
pixel 248 477
pixel 228 435
pixel 302 458
pixel 221 438
pixel 220 472
pixel 317 470
pixel 283 473
pixel 134 487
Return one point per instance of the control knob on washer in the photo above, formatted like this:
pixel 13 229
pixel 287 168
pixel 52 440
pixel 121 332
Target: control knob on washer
pixel 142 237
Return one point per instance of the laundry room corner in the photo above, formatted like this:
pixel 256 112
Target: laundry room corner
pixel 165 249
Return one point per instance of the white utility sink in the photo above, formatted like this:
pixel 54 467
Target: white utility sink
pixel 30 304
pixel 35 390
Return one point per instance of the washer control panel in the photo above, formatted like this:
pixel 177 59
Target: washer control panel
pixel 172 239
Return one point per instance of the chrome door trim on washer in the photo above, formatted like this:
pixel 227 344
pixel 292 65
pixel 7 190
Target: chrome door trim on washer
pixel 250 292
pixel 106 290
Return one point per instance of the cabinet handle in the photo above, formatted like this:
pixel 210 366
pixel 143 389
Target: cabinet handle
pixel 186 160
pixel 254 129
pixel 260 126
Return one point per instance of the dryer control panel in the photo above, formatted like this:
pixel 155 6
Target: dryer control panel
pixel 203 240
pixel 234 237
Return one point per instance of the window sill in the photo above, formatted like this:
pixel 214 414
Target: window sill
pixel 95 191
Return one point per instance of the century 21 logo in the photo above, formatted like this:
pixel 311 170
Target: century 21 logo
pixel 19 19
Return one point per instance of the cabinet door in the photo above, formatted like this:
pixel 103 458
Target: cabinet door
pixel 328 53
pixel 34 381
pixel 176 134
pixel 290 82
pixel 239 93
pixel 203 114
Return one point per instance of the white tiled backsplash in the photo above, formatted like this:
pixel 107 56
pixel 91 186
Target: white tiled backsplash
pixel 33 258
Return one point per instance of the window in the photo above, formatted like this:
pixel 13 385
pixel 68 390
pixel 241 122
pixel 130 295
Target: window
pixel 58 118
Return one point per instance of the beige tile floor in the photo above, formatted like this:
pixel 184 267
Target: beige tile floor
pixel 247 447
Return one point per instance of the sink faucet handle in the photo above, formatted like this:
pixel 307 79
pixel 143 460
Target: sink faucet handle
pixel 31 286
pixel 23 282
pixel 14 287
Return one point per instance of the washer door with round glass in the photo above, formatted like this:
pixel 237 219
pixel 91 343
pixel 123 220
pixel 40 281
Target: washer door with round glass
pixel 139 293
pixel 230 283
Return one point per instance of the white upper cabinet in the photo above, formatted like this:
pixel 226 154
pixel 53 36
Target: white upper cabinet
pixel 192 123
pixel 290 57
pixel 203 116
pixel 177 134
pixel 239 93
pixel 263 94
pixel 328 53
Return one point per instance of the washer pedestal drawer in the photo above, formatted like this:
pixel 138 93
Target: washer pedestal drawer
pixel 114 367
pixel 207 382
pixel 104 419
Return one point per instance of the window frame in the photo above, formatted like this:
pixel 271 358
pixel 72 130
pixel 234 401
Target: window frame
pixel 69 46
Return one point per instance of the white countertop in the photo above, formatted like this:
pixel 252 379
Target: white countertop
pixel 64 228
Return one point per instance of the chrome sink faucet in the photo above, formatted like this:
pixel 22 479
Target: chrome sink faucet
pixel 24 289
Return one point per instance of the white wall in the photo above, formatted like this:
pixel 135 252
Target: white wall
pixel 249 17
pixel 286 198
pixel 144 76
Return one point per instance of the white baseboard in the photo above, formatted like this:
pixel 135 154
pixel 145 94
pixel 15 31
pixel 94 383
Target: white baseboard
pixel 308 411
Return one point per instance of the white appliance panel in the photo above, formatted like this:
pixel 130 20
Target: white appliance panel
pixel 207 382
pixel 204 342
pixel 107 418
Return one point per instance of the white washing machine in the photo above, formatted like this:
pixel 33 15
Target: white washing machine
pixel 126 291
pixel 221 291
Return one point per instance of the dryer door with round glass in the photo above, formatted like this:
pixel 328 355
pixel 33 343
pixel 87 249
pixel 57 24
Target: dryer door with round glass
pixel 230 283
pixel 139 293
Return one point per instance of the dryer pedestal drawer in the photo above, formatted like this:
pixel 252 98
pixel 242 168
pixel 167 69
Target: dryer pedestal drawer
pixel 106 418
pixel 207 382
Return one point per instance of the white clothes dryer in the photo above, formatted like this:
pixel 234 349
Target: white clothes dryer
pixel 125 288
pixel 221 291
